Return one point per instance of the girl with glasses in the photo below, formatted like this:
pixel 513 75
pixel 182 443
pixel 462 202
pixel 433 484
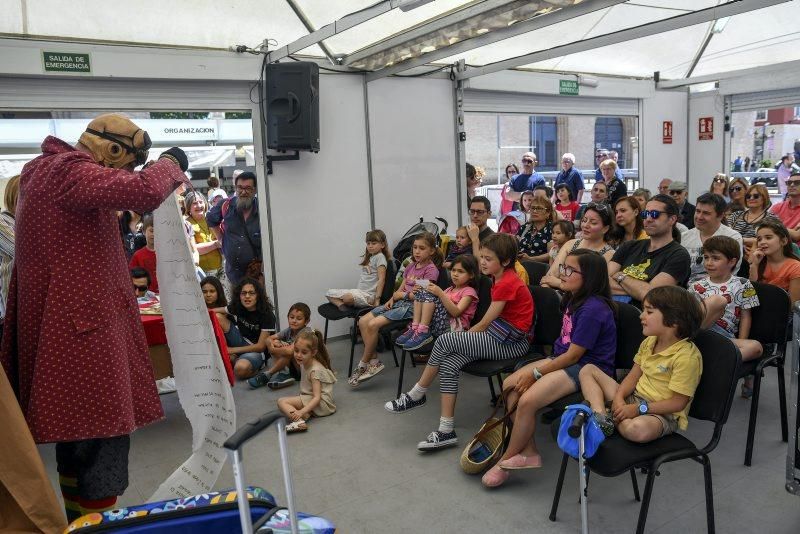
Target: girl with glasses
pixel 247 322
pixel 588 336
pixel 757 211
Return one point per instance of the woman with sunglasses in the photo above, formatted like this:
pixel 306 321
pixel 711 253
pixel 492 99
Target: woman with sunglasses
pixel 757 211
pixel 535 235
pixel 596 227
pixel 719 186
pixel 736 191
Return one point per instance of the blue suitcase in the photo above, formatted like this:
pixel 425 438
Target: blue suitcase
pixel 217 512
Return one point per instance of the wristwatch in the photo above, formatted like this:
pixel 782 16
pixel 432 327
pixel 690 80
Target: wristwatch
pixel 643 407
pixel 620 277
pixel 537 374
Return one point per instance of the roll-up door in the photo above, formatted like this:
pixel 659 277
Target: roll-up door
pixel 509 102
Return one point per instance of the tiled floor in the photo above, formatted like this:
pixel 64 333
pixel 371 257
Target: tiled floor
pixel 361 469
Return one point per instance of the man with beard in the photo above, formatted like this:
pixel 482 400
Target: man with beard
pixel 235 223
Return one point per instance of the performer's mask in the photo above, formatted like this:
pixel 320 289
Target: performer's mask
pixel 116 142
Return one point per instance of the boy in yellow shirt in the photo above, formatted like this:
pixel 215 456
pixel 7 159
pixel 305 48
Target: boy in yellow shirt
pixel 654 399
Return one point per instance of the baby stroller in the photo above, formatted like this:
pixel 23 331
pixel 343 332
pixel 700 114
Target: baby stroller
pixel 511 222
pixel 403 248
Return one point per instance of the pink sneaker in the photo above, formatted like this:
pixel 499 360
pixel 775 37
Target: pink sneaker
pixel 521 462
pixel 495 477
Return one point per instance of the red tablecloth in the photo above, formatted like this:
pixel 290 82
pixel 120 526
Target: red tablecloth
pixel 157 335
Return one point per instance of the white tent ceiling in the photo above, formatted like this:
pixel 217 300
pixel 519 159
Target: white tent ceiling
pixel 762 37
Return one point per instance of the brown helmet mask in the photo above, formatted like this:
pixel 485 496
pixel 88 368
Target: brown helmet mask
pixel 115 141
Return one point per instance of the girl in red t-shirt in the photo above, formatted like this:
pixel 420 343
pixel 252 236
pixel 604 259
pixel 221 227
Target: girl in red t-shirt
pixel 566 205
pixel 502 334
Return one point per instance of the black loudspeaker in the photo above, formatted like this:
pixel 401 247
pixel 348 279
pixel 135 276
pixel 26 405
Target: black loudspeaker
pixel 292 102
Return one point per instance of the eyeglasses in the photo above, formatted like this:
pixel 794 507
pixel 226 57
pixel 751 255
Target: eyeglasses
pixel 566 270
pixel 538 208
pixel 792 183
pixel 245 189
pixel 139 289
pixel 477 212
pixel 597 206
pixel 527 161
pixel 247 293
pixel 653 214
pixel 735 188
pixel 752 195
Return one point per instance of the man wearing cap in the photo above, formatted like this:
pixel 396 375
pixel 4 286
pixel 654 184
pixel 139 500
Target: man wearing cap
pixel 235 223
pixel 74 349
pixel 788 211
pixel 526 180
pixel 679 191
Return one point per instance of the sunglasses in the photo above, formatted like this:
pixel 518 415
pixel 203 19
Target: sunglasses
pixel 675 193
pixel 527 161
pixel 752 195
pixel 735 188
pixel 719 181
pixel 792 183
pixel 597 206
pixel 653 214
pixel 139 289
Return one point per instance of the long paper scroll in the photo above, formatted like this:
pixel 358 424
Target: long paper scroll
pixel 203 388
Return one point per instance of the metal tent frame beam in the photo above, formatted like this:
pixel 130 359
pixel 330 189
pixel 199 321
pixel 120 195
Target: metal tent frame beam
pixel 498 35
pixel 329 30
pixel 424 29
pixel 735 7
pixel 787 66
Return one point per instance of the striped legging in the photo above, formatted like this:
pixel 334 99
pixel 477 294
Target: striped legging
pixel 454 350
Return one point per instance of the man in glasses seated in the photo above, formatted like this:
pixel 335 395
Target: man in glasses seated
pixel 708 215
pixel 788 211
pixel 526 180
pixel 235 223
pixel 480 209
pixel 640 265
pixel 679 191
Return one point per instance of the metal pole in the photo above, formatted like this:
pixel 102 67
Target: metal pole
pixel 241 492
pixel 287 475
pixel 582 481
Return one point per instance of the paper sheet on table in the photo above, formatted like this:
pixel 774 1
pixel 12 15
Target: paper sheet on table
pixel 203 388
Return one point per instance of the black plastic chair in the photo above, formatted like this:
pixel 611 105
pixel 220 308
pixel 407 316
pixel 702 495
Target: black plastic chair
pixel 629 338
pixel 547 326
pixel 484 300
pixel 712 402
pixel 333 313
pixel 536 270
pixel 770 327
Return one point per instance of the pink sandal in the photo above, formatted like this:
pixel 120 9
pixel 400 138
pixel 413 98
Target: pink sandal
pixel 495 477
pixel 519 462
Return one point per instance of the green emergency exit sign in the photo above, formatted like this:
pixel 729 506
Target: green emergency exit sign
pixel 66 62
pixel 568 87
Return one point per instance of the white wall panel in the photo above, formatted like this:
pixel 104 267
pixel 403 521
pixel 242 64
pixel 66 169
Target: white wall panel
pixel 412 130
pixel 705 157
pixel 320 204
pixel 659 160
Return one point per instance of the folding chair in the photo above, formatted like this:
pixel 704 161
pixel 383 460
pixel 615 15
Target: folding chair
pixel 484 300
pixel 771 327
pixel 536 271
pixel 712 402
pixel 547 326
